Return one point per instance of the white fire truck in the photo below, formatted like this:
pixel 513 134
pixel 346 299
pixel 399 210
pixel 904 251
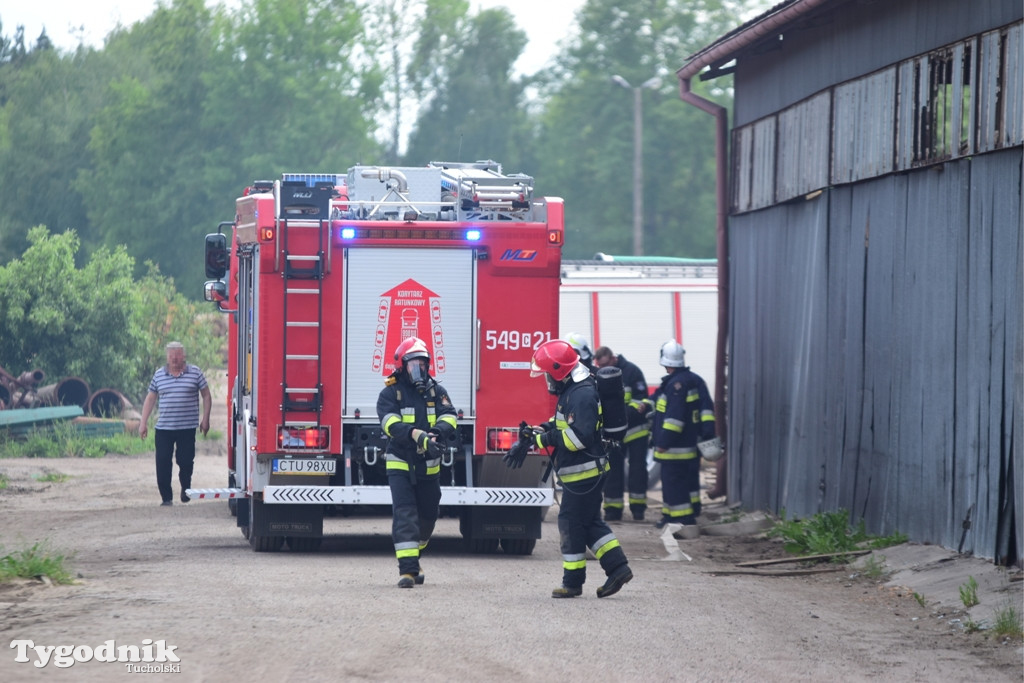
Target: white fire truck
pixel 634 304
pixel 324 276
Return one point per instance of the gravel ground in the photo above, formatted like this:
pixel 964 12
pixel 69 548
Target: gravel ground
pixel 184 575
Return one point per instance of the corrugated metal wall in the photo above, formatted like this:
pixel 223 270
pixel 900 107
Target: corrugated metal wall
pixel 875 354
pixel 851 40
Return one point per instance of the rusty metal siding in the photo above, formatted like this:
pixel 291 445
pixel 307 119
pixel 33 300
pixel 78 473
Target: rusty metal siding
pixel 753 184
pixel 803 147
pixel 849 39
pixel 947 104
pixel 742 160
pixel 762 187
pixel 1013 73
pixel 879 376
pixel 999 91
pixel 862 129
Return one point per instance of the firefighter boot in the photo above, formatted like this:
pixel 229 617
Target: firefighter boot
pixel 419 579
pixel 567 592
pixel 407 581
pixel 616 580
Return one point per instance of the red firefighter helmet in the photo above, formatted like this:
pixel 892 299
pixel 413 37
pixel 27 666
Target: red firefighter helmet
pixel 413 347
pixel 556 358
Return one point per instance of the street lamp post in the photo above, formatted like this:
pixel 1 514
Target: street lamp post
pixel 638 156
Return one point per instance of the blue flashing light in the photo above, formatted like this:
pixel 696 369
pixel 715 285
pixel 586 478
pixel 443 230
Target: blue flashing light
pixel 347 233
pixel 473 235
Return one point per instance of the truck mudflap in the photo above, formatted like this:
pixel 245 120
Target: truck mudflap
pixel 381 495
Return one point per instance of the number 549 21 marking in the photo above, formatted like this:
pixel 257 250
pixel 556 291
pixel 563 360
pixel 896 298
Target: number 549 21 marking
pixel 513 340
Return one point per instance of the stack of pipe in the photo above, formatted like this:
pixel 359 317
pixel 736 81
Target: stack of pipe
pixel 70 391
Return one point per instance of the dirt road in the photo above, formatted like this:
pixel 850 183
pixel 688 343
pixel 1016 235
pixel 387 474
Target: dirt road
pixel 185 576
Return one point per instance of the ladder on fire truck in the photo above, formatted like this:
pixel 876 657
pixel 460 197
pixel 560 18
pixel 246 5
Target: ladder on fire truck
pixel 482 192
pixel 304 213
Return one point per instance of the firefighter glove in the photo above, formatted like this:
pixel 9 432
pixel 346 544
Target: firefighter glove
pixel 525 431
pixel 516 455
pixel 429 447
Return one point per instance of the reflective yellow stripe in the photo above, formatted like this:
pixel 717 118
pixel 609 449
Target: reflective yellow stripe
pixel 409 552
pixel 397 465
pixel 390 420
pixel 614 543
pixel 433 470
pixel 676 454
pixel 579 564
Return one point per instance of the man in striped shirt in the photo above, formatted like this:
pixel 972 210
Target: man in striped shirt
pixel 178 386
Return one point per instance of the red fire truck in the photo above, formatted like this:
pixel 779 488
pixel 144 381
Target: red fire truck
pixel 324 276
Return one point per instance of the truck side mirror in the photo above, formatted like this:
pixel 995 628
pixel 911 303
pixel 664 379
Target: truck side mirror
pixel 215 291
pixel 216 255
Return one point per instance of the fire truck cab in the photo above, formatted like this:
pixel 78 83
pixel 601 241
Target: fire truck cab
pixel 324 275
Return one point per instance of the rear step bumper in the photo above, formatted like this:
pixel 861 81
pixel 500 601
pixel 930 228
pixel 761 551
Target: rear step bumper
pixel 381 495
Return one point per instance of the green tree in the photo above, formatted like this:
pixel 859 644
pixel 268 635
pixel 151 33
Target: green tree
pixel 68 321
pixel 46 106
pixel 474 107
pixel 586 140
pixel 286 91
pixel 94 322
pixel 141 188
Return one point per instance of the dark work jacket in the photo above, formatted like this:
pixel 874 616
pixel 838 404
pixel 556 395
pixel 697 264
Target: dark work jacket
pixel 576 438
pixel 683 415
pixel 401 408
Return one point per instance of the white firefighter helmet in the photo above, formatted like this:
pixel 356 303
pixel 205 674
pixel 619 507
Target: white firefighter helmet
pixel 672 354
pixel 580 344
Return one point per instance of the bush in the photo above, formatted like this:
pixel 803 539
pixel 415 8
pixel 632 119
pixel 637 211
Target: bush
pixel 828 532
pixel 96 322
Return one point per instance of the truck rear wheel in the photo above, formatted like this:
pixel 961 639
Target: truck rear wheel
pixel 261 544
pixel 266 544
pixel 482 546
pixel 304 544
pixel 518 546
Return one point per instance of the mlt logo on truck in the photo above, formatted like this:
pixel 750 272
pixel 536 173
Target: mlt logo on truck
pixel 408 310
pixel 519 255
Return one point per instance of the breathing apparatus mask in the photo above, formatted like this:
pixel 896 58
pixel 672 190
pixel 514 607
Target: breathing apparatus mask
pixel 418 371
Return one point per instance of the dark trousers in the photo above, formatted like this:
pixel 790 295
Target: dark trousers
pixel 635 453
pixel 414 508
pixel 680 490
pixel 580 526
pixel 179 444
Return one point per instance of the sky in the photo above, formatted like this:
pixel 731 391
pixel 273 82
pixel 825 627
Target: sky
pixel 544 21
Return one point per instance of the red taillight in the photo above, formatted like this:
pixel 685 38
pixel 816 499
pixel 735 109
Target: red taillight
pixel 501 438
pixel 303 437
pixel 554 237
pixel 266 234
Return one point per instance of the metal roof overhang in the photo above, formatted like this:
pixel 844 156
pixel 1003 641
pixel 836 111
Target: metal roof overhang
pixel 726 47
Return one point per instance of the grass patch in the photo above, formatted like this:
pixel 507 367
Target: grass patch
pixel 63 440
pixel 53 476
pixel 1006 622
pixel 5 481
pixel 874 568
pixel 920 599
pixel 39 560
pixel 969 592
pixel 828 532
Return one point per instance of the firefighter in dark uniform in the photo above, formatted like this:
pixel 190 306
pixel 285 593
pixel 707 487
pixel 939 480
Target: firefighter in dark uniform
pixel 634 446
pixel 578 454
pixel 683 416
pixel 415 412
